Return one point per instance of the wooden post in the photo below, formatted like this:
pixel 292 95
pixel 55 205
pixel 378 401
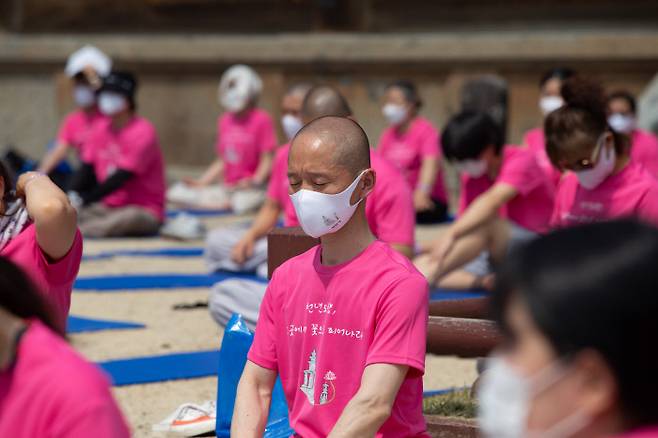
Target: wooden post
pixel 476 308
pixel 286 243
pixel 461 337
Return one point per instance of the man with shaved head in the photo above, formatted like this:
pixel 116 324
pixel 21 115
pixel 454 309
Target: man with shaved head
pixel 344 324
pixel 390 214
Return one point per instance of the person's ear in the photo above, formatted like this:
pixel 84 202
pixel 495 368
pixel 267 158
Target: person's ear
pixel 599 390
pixel 365 186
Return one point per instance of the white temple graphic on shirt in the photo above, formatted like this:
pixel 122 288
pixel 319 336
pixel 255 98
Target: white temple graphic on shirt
pixel 308 387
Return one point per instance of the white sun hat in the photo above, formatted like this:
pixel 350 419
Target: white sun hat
pixel 88 56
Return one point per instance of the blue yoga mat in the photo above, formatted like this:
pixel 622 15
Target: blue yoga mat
pixel 151 369
pixel 159 252
pixel 114 283
pixel 450 294
pixel 199 213
pixel 79 324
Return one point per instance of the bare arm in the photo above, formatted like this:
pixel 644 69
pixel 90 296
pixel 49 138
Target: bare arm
pixel 264 168
pixel 53 157
pixel 372 404
pixel 252 403
pixel 211 175
pixel 484 208
pixel 54 218
pixel 423 192
pixel 264 222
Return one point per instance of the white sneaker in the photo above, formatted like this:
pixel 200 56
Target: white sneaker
pixel 189 420
pixel 184 227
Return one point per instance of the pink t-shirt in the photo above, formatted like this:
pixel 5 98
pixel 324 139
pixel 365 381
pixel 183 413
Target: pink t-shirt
pixel 50 391
pixel 241 141
pixel 407 150
pixel 531 208
pixel 644 432
pixel 389 208
pixel 134 148
pixel 633 192
pixel 54 280
pixel 320 326
pixel 536 142
pixel 77 126
pixel 644 150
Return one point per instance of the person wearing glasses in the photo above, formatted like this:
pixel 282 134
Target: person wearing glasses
pixel 603 182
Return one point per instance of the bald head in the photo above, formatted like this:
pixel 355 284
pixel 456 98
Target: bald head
pixel 342 139
pixel 324 100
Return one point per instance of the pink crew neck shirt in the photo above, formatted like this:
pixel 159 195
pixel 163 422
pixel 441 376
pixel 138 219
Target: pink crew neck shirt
pixel 407 150
pixel 53 279
pixel 532 207
pixel 320 326
pixel 644 150
pixel 76 127
pixel 241 141
pixel 134 148
pixel 389 208
pixel 50 391
pixel 633 192
pixel 536 142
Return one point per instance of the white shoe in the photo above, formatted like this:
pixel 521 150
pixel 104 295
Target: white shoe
pixel 189 420
pixel 184 227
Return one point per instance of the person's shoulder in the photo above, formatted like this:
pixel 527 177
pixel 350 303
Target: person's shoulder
pixel 74 117
pixel 645 136
pixel 423 124
pixel 261 116
pixel 395 264
pixel 282 152
pixel 568 183
pixel 519 154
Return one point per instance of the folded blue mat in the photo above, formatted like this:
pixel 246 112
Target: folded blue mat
pixel 114 283
pixel 451 294
pixel 159 252
pixel 79 324
pixel 197 212
pixel 151 369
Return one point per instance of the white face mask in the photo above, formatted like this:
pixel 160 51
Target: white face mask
pixel 548 104
pixel 110 103
pixel 394 114
pixel 84 96
pixel 321 213
pixel 472 168
pixel 505 397
pixel 234 100
pixel 622 123
pixel 291 125
pixel 592 178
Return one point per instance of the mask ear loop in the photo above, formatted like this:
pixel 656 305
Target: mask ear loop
pixel 363 172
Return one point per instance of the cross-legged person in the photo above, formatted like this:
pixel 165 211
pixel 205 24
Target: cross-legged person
pixel 344 324
pixel 120 186
pixel 389 211
pixel 245 146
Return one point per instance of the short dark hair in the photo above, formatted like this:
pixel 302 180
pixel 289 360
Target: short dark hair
pixel 468 134
pixel 21 298
pixel 594 287
pixel 409 91
pixel 625 95
pixel 561 73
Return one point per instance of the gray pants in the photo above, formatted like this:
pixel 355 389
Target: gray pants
pixel 98 220
pixel 236 296
pixel 482 265
pixel 220 243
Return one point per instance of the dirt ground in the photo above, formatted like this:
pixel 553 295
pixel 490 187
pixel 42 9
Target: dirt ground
pixel 169 331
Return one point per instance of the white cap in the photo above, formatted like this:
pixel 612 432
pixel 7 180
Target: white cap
pixel 88 56
pixel 245 79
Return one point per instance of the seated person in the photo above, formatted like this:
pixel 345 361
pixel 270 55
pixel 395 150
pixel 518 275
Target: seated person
pixel 245 146
pixel 411 143
pixel 220 243
pixel 38 232
pixel 86 67
pixel 549 100
pixel 576 308
pixel 505 199
pixel 46 388
pixel 604 181
pixel 622 118
pixel 344 325
pixel 389 212
pixel 120 187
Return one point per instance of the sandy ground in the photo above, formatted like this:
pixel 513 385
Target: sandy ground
pixel 169 330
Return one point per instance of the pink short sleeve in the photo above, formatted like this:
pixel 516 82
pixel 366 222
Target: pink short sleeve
pixel 279 177
pixel 64 271
pixel 100 418
pixel 401 325
pixel 429 142
pixel 266 134
pixel 263 350
pixel 65 134
pixel 647 210
pixel 520 170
